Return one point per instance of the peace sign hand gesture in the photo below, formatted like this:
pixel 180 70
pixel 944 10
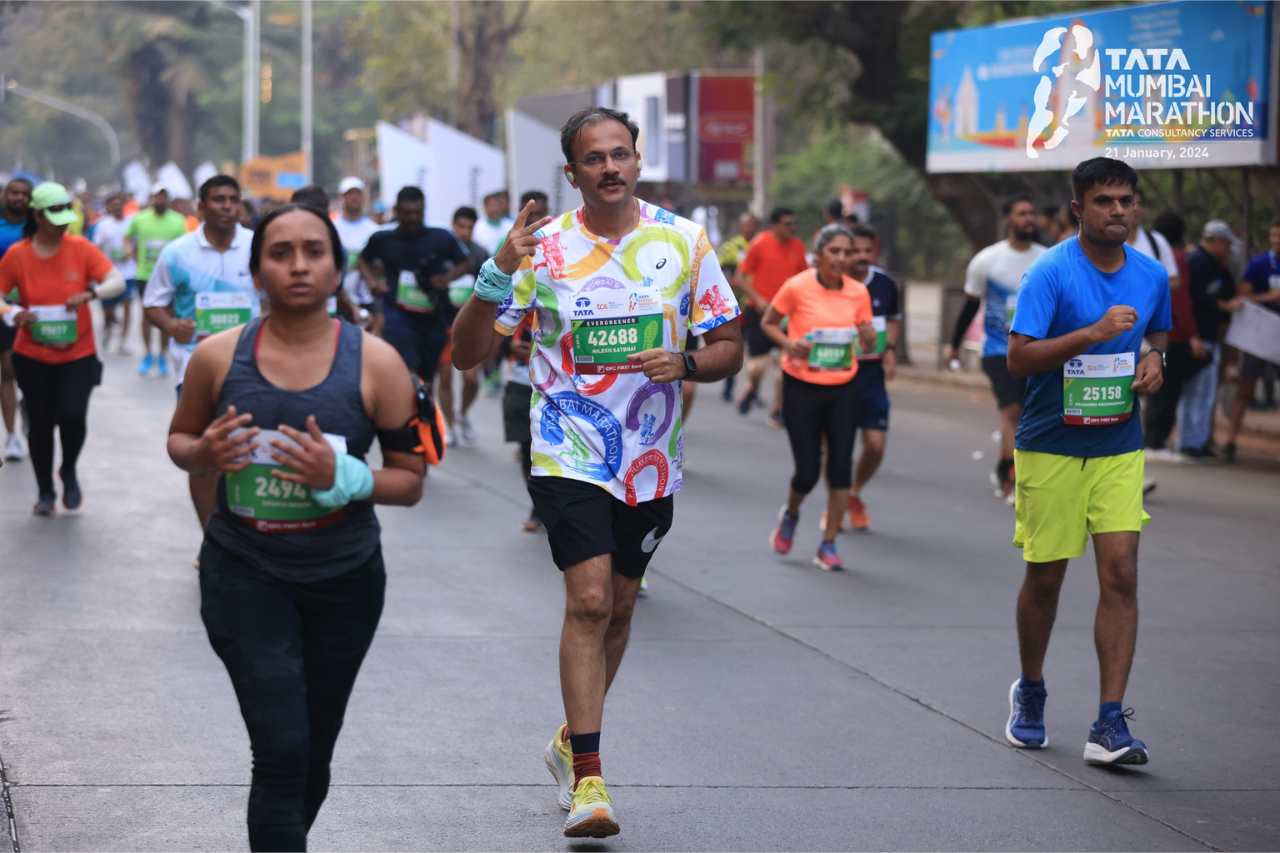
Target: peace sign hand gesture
pixel 520 242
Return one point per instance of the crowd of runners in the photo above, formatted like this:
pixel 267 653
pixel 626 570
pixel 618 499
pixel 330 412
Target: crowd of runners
pixel 297 344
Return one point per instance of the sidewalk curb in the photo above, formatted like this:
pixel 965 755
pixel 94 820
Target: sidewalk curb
pixel 969 380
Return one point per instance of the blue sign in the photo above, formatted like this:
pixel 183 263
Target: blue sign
pixel 1164 85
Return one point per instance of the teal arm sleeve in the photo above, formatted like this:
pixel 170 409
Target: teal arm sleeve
pixel 352 481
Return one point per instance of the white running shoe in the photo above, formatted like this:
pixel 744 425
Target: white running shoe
pixel 468 432
pixel 13 449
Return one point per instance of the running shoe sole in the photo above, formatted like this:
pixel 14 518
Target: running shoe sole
pixel 838 567
pixel 1099 757
pixel 599 824
pixel 1008 727
pixel 565 797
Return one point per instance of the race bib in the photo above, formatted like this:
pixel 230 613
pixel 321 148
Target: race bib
pixel 331 305
pixel 460 290
pixel 1097 390
pixel 1011 308
pixel 602 344
pixel 832 349
pixel 353 261
pixel 273 505
pixel 1273 282
pixel 55 325
pixel 410 296
pixel 216 312
pixel 153 249
pixel 881 325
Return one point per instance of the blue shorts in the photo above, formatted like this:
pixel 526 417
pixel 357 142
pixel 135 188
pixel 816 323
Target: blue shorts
pixel 131 287
pixel 871 398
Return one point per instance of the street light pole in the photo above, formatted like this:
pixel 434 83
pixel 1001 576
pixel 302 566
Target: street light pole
pixel 308 105
pixel 248 16
pixel 12 87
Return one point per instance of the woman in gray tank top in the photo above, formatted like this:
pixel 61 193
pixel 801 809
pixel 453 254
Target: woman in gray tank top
pixel 291 572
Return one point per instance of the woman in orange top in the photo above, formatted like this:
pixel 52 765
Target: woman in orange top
pixel 828 316
pixel 55 358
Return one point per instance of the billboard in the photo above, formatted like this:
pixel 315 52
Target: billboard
pixel 1186 84
pixel 537 163
pixel 724 127
pixel 450 167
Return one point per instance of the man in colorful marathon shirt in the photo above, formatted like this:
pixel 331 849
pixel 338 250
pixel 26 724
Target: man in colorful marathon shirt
pixel 994 276
pixel 1085 307
pixel 200 286
pixel 614 286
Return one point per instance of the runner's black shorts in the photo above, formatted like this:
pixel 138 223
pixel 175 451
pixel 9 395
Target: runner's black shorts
pixel 758 343
pixel 1007 388
pixel 870 397
pixel 8 335
pixel 584 521
pixel 515 413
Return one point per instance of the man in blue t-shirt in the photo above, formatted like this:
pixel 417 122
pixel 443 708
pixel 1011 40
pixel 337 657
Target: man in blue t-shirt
pixel 1261 286
pixel 13 218
pixel 1083 311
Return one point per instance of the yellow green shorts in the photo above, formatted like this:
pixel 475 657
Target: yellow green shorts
pixel 1062 500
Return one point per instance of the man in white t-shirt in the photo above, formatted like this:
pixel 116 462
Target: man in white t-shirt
pixel 354 228
pixel 493 226
pixel 108 235
pixel 201 286
pixel 1152 243
pixel 994 277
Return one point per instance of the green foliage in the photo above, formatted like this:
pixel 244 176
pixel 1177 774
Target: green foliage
pixel 918 237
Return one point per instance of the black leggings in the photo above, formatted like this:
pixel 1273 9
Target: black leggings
pixel 293 651
pixel 813 412
pixel 56 395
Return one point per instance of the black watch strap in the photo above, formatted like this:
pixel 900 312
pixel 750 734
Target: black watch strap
pixel 690 366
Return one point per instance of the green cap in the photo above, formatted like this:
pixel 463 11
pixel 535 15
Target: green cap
pixel 50 194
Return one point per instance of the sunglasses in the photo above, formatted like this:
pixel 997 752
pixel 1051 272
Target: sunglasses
pixel 57 208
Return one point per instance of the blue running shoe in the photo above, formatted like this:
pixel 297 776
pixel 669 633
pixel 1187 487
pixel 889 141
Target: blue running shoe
pixel 785 532
pixel 144 366
pixel 1110 742
pixel 1025 728
pixel 162 366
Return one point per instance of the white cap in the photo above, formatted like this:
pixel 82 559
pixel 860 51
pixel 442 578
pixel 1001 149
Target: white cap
pixel 1217 228
pixel 159 187
pixel 349 183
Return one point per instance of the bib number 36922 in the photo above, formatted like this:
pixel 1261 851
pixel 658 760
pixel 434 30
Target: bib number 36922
pixel 602 345
pixel 273 505
pixel 1097 390
pixel 217 312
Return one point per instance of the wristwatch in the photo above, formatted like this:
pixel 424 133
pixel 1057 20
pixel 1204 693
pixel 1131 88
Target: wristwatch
pixel 690 366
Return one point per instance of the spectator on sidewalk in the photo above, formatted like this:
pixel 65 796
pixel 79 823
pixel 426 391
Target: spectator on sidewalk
pixel 1152 243
pixel 1187 354
pixel 1213 292
pixel 1260 285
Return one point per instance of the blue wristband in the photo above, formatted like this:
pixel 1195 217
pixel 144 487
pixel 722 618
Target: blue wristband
pixel 492 284
pixel 352 481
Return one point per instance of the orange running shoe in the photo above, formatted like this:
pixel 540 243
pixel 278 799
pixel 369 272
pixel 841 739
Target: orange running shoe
pixel 858 513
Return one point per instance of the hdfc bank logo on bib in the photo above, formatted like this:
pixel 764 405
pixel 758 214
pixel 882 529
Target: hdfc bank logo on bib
pixel 1135 95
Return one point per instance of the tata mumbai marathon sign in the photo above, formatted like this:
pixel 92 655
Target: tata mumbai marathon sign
pixel 1162 85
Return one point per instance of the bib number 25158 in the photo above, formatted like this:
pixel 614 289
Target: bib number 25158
pixel 1097 390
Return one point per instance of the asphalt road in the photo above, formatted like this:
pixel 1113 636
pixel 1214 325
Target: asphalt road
pixel 764 705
